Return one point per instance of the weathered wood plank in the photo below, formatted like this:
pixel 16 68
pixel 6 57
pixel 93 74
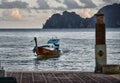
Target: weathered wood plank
pixel 27 78
pixel 16 75
pixel 50 78
pixel 38 78
pixel 61 77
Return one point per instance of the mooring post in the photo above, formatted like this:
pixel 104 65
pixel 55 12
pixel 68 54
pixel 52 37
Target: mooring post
pixel 100 47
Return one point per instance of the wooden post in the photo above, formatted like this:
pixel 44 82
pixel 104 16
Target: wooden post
pixel 100 47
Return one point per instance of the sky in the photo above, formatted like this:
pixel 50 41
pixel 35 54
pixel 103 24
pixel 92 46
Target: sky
pixel 34 13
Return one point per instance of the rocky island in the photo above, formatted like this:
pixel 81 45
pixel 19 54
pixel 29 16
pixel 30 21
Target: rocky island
pixel 73 20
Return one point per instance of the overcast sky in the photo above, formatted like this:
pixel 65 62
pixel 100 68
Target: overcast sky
pixel 34 13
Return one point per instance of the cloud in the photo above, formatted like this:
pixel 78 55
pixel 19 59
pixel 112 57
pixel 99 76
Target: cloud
pixel 59 4
pixel 11 14
pixel 88 3
pixel 112 1
pixel 102 3
pixel 75 4
pixel 71 4
pixel 60 8
pixel 56 4
pixel 86 13
pixel 13 4
pixel 60 1
pixel 20 18
pixel 43 4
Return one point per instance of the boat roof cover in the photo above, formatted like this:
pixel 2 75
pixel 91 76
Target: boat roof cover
pixel 53 41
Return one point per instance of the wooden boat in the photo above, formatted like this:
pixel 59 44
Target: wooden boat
pixel 50 50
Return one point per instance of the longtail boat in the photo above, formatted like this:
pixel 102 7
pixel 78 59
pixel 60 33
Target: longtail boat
pixel 50 50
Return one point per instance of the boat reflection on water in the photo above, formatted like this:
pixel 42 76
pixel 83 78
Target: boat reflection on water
pixel 50 50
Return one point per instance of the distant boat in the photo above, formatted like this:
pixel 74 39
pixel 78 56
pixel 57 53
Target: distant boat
pixel 50 50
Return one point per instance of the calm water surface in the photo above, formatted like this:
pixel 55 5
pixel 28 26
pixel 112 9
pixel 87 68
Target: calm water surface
pixel 77 46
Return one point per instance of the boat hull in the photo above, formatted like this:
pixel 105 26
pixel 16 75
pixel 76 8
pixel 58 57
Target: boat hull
pixel 43 53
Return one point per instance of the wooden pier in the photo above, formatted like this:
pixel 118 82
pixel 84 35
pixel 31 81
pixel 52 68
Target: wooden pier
pixel 63 77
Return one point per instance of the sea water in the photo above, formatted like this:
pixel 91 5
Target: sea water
pixel 77 45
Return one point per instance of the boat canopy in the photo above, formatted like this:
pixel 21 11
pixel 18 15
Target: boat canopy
pixel 53 41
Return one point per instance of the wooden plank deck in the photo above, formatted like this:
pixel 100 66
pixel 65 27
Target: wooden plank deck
pixel 62 77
